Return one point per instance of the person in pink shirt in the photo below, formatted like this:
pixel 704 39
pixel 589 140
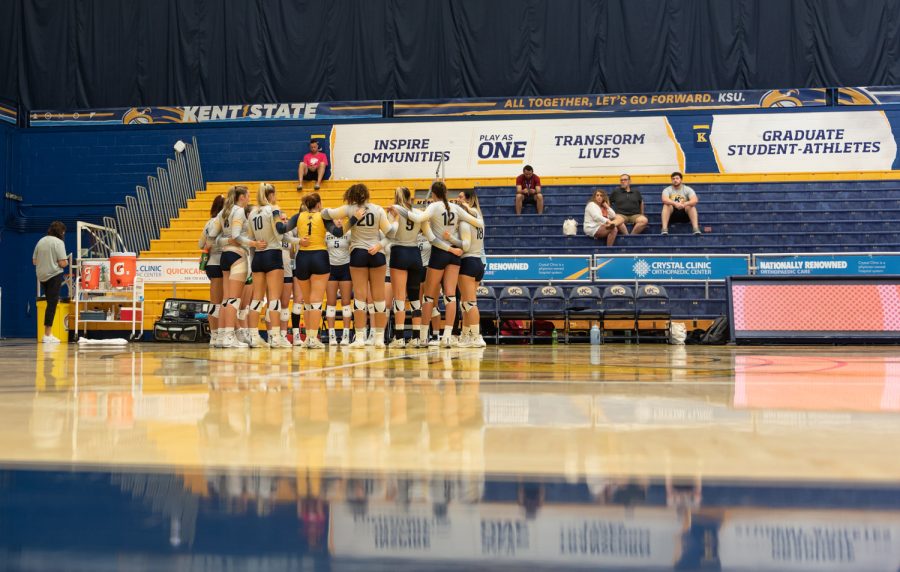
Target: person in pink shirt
pixel 312 168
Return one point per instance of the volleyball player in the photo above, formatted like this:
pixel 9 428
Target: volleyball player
pixel 213 268
pixel 267 266
pixel 419 321
pixel 471 271
pixel 440 219
pixel 406 267
pixel 288 242
pixel 233 261
pixel 338 280
pixel 367 262
pixel 312 267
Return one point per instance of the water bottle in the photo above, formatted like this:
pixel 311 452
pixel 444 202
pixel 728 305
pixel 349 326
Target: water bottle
pixel 555 337
pixel 204 259
pixel 595 335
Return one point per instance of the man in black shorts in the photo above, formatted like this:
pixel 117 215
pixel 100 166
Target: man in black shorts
pixel 629 204
pixel 528 190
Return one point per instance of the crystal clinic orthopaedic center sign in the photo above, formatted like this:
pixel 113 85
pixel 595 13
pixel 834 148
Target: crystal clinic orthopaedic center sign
pixel 563 147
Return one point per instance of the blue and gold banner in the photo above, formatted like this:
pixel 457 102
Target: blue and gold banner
pixel 837 264
pixel 209 114
pixel 605 103
pixel 664 268
pixel 8 113
pixel 873 95
pixel 525 268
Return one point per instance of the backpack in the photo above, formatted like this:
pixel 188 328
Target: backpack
pixel 718 333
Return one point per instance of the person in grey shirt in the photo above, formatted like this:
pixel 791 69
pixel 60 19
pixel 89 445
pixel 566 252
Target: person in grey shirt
pixel 679 204
pixel 50 259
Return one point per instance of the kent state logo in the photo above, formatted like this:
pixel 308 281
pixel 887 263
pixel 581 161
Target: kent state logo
pixel 618 290
pixel 501 149
pixel 514 291
pixel 584 291
pixel 481 291
pixel 145 115
pixel 549 291
pixel 651 290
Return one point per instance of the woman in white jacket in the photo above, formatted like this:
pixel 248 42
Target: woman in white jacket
pixel 600 220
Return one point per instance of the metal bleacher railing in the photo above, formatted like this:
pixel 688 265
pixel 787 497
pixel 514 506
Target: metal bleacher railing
pixel 151 208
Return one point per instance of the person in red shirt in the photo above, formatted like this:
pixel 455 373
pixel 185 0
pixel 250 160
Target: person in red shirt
pixel 312 168
pixel 528 190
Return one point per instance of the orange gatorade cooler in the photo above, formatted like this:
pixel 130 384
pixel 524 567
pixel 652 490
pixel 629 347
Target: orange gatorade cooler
pixel 90 275
pixel 122 268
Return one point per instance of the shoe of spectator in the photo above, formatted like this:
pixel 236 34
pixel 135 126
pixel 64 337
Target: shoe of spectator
pixel 50 340
pixel 665 231
pixel 697 231
pixel 316 187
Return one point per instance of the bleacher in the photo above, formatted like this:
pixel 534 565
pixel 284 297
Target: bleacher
pixel 829 216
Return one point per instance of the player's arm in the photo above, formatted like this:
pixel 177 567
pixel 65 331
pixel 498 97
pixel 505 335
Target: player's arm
pixel 387 227
pixel 413 214
pixel 335 230
pixel 237 225
pixel 286 227
pixel 336 213
pixel 465 216
pixel 465 234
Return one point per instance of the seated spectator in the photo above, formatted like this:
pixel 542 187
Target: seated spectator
pixel 679 204
pixel 312 168
pixel 528 190
pixel 629 205
pixel 600 220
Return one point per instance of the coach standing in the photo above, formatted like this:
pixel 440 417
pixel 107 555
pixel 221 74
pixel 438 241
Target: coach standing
pixel 49 259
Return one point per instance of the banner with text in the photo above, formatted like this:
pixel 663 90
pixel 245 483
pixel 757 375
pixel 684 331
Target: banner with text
pixel 837 264
pixel 803 142
pixel 209 113
pixel 555 147
pixel 573 268
pixel 171 270
pixel 610 102
pixel 8 113
pixel 662 268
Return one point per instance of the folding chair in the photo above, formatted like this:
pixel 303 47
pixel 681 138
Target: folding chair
pixel 654 313
pixel 618 313
pixel 514 303
pixel 584 303
pixel 549 302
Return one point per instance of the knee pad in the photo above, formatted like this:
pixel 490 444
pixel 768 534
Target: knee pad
pixel 234 303
pixel 415 305
pixel 297 308
pixel 284 315
pixel 346 312
pixel 449 300
pixel 379 306
pixel 428 299
pixel 330 311
pixel 316 306
pixel 399 306
pixel 215 310
pixel 370 308
pixel 468 305
pixel 435 313
pixel 275 306
pixel 359 305
pixel 256 305
pixel 242 313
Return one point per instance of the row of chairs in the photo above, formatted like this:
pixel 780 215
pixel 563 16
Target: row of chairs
pixel 617 310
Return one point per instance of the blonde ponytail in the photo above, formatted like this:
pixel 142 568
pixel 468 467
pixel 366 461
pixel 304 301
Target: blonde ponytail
pixel 262 197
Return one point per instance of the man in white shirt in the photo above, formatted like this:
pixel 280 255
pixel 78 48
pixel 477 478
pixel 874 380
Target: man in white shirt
pixel 679 204
pixel 50 259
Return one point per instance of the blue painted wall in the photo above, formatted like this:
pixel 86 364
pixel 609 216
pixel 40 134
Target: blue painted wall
pixel 94 168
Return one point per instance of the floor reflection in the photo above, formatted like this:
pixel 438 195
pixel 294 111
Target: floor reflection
pixel 254 520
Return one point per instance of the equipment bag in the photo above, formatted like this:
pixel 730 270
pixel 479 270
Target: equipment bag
pixel 177 330
pixel 718 333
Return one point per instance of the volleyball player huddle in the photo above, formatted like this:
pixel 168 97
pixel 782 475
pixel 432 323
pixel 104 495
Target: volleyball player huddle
pixel 343 251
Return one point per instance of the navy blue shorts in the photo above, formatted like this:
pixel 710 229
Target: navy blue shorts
pixel 340 273
pixel 441 259
pixel 213 271
pixel 472 266
pixel 288 279
pixel 267 261
pixel 406 258
pixel 360 258
pixel 228 259
pixel 311 263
